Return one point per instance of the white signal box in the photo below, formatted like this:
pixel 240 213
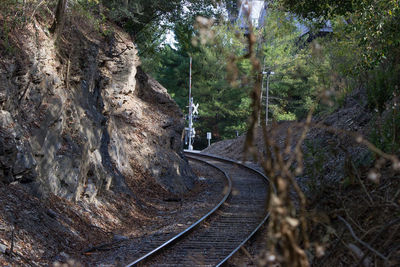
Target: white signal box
pixel 209 138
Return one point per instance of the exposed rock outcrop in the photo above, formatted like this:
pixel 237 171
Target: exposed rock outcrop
pixel 77 117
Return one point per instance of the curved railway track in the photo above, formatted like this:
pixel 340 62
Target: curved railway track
pixel 214 238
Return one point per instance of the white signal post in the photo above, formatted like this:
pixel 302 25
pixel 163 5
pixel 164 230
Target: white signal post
pixel 190 146
pixel 193 110
pixel 269 73
pixel 209 138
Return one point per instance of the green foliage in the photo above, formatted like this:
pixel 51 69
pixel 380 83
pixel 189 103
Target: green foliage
pixel 4 38
pixel 281 115
pixel 320 8
pixel 330 66
pixel 341 96
pixel 377 29
pixel 364 49
pixel 224 109
pixel 133 16
pixel 381 85
pixel 386 133
pixel 371 25
pixel 14 11
pixel 148 21
pixel 93 14
pixel 293 87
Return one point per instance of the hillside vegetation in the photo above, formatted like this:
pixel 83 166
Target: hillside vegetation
pixel 336 169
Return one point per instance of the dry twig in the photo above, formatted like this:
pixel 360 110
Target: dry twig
pixel 360 241
pixel 384 229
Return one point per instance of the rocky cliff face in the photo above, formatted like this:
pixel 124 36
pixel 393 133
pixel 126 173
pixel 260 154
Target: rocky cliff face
pixel 78 116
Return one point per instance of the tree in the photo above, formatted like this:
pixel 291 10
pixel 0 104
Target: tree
pixel 224 108
pixel 321 8
pixel 296 82
pixel 373 23
pixel 58 22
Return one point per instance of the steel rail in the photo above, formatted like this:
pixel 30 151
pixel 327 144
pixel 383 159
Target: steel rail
pixel 249 168
pixel 170 241
pixel 195 156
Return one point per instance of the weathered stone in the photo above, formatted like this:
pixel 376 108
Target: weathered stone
pixel 119 238
pixel 75 137
pixel 8 147
pixel 3 97
pixel 51 213
pixel 91 190
pixel 24 161
pixel 3 248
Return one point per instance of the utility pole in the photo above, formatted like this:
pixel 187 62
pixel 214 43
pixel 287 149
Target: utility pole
pixel 267 95
pixel 261 93
pixel 190 147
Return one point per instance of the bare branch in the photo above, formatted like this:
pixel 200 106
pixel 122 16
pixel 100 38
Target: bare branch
pixel 360 241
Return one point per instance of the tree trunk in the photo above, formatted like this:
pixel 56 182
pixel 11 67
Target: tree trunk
pixel 60 16
pixel 126 3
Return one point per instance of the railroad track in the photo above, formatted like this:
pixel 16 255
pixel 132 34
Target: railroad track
pixel 214 238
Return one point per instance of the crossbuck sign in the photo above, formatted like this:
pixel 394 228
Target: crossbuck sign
pixel 195 108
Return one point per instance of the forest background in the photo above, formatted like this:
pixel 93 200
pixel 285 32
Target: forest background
pixel 361 52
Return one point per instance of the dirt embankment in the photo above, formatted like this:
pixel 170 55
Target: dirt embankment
pixel 338 181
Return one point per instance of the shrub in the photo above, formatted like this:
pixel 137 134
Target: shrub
pixel 386 134
pixel 381 84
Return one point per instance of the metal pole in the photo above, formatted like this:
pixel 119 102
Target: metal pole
pixel 266 100
pixel 261 93
pixel 190 147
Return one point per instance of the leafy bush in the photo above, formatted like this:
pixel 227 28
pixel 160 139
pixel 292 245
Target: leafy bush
pixel 381 85
pixel 386 134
